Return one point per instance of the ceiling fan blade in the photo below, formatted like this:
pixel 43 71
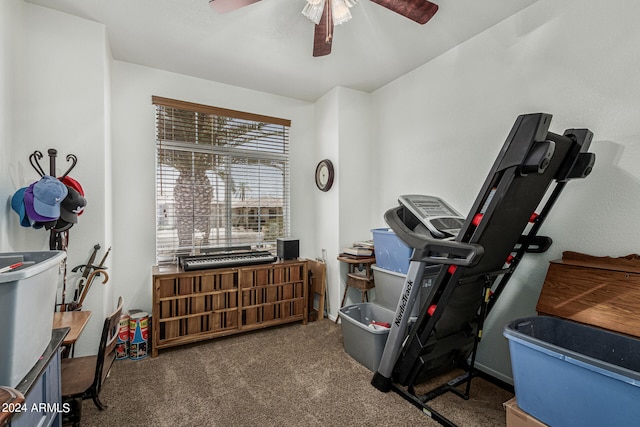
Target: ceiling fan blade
pixel 323 34
pixel 420 11
pixel 224 6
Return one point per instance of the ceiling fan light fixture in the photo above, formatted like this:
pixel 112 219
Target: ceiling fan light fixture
pixel 341 13
pixel 340 10
pixel 313 10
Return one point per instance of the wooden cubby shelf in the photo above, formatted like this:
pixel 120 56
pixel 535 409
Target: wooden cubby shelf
pixel 205 304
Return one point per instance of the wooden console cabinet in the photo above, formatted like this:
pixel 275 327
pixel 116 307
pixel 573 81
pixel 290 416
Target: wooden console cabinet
pixel 190 306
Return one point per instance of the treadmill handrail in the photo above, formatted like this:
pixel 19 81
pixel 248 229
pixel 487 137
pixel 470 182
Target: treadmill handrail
pixel 435 251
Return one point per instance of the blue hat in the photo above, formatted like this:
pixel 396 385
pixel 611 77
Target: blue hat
pixel 48 193
pixel 17 203
pixel 28 204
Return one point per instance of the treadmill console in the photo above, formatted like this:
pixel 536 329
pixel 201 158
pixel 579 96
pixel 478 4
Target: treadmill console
pixel 439 218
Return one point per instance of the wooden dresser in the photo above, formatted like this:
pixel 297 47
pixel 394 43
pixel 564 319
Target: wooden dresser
pixel 598 291
pixel 190 306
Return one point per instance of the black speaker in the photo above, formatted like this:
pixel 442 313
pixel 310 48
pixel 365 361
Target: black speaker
pixel 288 248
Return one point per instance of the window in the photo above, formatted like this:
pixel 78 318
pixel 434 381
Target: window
pixel 222 179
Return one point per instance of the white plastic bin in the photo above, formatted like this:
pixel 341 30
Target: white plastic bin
pixel 388 286
pixel 27 303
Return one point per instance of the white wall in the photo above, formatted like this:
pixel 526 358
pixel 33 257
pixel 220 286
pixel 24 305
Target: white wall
pixel 343 135
pixel 441 126
pixel 356 169
pixel 10 40
pixel 327 146
pixel 58 99
pixel 133 118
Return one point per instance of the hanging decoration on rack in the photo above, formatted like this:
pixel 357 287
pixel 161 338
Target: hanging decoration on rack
pixel 50 203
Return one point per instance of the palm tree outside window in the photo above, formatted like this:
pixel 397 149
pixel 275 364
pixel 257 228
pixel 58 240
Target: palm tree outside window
pixel 222 179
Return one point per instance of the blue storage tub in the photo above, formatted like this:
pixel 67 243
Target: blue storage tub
pixel 391 253
pixel 569 374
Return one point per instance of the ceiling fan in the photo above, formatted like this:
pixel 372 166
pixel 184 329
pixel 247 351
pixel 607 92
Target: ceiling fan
pixel 328 13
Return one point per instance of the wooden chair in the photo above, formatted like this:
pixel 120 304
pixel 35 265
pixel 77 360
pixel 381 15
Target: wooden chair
pixel 83 377
pixel 10 398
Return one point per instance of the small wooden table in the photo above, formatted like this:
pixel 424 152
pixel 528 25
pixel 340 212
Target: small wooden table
pixel 75 321
pixel 359 275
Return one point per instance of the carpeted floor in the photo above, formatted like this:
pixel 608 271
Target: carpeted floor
pixel 290 375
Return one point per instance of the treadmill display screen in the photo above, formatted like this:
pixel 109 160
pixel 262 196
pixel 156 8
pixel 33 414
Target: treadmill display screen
pixel 440 219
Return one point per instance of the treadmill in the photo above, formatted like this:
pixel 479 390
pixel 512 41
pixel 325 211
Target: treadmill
pixel 477 254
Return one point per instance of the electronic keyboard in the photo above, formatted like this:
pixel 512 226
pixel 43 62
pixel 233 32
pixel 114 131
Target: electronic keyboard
pixel 226 259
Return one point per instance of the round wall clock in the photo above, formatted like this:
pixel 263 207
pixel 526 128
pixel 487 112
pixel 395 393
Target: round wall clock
pixel 324 175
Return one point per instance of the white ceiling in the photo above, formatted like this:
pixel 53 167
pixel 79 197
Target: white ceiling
pixel 268 46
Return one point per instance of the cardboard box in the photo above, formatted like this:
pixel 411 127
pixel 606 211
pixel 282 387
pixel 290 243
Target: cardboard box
pixel 516 417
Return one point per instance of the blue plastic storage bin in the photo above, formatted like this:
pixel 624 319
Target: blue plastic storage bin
pixel 391 253
pixel 569 374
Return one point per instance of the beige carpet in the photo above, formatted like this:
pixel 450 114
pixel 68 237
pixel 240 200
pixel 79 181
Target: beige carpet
pixel 291 375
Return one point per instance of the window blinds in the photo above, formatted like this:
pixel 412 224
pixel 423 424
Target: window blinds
pixel 222 179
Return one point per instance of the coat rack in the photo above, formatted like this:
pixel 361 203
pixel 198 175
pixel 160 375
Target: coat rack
pixel 53 153
pixel 58 239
